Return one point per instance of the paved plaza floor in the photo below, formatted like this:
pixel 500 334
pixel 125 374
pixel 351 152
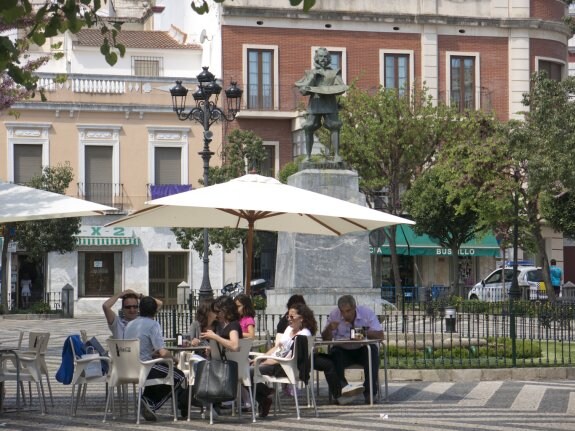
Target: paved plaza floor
pixel 485 405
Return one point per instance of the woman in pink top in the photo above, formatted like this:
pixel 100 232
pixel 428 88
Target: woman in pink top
pixel 247 314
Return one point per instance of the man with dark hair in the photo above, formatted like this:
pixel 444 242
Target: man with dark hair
pixel 148 331
pixel 340 321
pixel 117 323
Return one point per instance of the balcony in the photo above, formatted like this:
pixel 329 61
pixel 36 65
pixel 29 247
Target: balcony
pixel 156 191
pixel 110 194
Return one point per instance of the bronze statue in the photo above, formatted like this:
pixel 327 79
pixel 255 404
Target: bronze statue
pixel 323 84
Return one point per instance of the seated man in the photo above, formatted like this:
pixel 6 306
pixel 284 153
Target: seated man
pixel 117 324
pixel 346 316
pixel 149 332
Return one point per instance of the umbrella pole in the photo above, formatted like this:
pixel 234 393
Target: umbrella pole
pixel 250 251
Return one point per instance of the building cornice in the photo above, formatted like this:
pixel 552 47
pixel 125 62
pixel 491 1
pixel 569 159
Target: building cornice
pixel 229 14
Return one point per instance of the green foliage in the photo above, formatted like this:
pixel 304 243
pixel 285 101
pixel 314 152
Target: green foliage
pixel 58 235
pixel 558 211
pixel 40 308
pixel 259 302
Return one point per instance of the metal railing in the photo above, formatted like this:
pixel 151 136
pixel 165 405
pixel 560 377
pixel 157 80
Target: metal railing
pixel 451 333
pixel 110 194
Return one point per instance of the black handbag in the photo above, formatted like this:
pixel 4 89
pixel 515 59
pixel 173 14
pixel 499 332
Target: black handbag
pixel 216 380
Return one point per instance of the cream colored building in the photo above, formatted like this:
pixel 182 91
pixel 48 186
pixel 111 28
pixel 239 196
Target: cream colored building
pixel 116 128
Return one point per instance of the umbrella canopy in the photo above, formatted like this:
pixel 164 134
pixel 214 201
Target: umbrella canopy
pixel 263 203
pixel 21 203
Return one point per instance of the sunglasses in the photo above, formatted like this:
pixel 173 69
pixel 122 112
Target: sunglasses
pixel 127 307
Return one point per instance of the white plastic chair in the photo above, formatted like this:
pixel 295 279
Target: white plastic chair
pixel 79 377
pixel 242 358
pixel 289 366
pixel 43 338
pixel 126 367
pixel 29 370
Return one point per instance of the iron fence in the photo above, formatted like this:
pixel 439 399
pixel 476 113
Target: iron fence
pixel 449 333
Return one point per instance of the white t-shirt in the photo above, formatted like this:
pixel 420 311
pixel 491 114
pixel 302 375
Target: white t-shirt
pixel 286 341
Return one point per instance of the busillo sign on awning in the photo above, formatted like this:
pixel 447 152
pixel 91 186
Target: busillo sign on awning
pixel 410 244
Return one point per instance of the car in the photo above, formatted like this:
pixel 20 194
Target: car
pixel 491 288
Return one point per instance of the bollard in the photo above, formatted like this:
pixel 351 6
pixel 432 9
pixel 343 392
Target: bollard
pixel 68 301
pixel 450 319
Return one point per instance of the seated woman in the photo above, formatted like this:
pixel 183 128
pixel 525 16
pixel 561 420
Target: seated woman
pixel 301 322
pixel 229 331
pixel 247 314
pixel 205 319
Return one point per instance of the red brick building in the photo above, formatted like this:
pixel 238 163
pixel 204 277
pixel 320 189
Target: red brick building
pixel 475 54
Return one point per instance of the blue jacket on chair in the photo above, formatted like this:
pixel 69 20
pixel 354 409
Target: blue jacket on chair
pixel 66 370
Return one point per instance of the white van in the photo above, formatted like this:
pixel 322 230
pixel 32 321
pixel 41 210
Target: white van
pixel 491 288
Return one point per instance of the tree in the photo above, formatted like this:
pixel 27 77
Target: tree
pixel 558 211
pixel 436 215
pixel 244 151
pixel 388 139
pixel 544 147
pixel 43 236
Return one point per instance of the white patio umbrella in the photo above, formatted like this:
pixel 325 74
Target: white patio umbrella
pixel 263 203
pixel 21 203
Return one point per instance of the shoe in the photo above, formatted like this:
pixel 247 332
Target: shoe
pixel 148 413
pixel 351 390
pixel 265 406
pixel 345 400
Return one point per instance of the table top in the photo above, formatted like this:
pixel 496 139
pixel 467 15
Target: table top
pixel 347 342
pixel 185 348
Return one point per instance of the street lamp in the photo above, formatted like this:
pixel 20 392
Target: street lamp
pixel 206 112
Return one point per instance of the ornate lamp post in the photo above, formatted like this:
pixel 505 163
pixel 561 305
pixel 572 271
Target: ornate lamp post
pixel 514 291
pixel 206 112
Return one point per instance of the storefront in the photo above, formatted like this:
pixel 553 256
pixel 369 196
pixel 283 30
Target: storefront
pixel 423 262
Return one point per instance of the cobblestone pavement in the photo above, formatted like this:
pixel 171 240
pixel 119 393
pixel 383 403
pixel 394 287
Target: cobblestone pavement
pixel 486 405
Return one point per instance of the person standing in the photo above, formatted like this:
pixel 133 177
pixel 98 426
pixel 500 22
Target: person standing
pixel 340 321
pixel 556 276
pixel 26 290
pixel 148 331
pixel 117 323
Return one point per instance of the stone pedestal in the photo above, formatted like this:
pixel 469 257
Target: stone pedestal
pixel 320 267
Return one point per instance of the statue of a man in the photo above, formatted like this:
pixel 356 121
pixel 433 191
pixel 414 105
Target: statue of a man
pixel 323 84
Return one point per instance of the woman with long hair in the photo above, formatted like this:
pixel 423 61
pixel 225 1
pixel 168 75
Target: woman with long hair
pixel 247 313
pixel 301 322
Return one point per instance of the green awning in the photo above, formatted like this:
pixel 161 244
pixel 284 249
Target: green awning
pixel 107 240
pixel 410 244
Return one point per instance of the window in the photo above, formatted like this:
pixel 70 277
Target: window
pixel 260 79
pixel 99 165
pixel 168 155
pixel 99 273
pixel 27 162
pixel 553 69
pixel 396 72
pixel 28 150
pixel 270 165
pixel 98 184
pixel 166 271
pixel 462 82
pixel 168 165
pixel 147 66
